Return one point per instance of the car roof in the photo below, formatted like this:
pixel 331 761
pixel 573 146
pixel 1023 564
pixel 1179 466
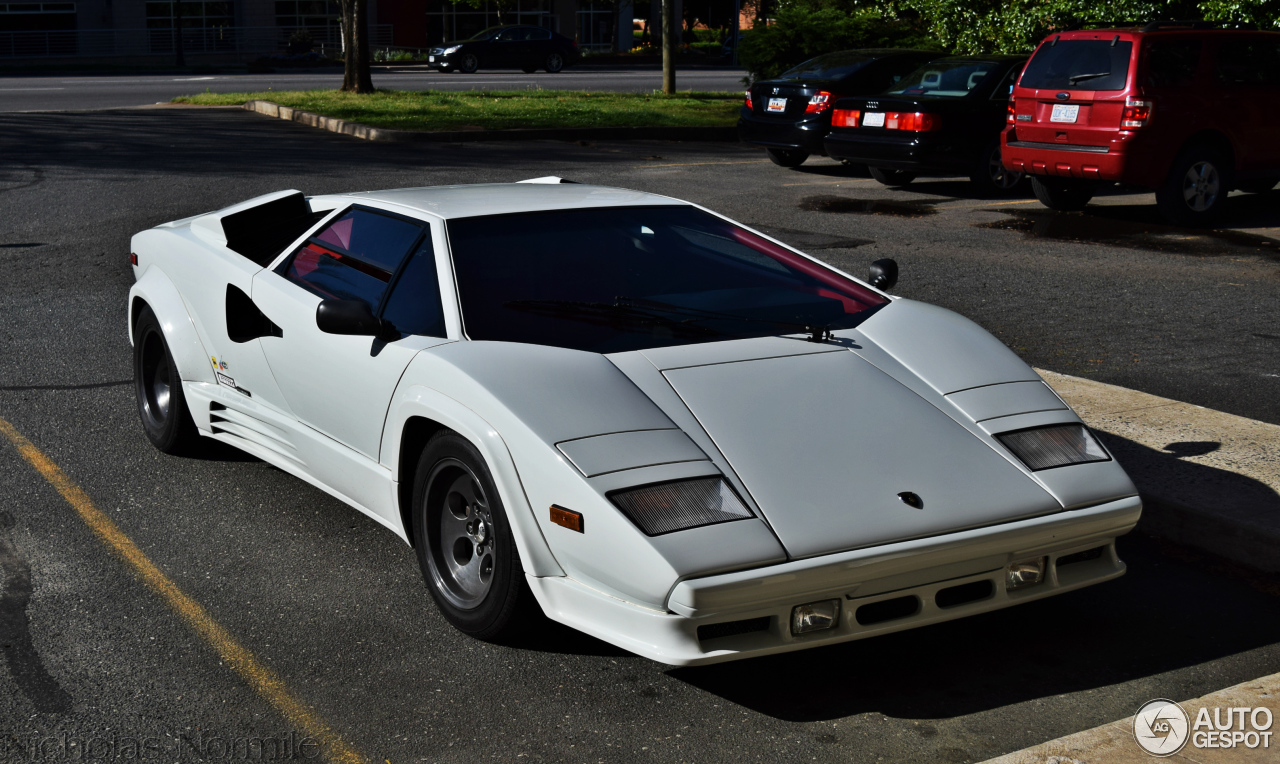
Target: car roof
pixel 999 58
pixel 472 200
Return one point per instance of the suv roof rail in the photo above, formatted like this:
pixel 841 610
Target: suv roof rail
pixel 1156 26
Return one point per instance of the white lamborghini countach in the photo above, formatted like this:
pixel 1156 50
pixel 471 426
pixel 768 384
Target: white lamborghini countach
pixel 654 424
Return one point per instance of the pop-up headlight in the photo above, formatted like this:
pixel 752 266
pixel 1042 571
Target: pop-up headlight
pixel 666 507
pixel 1054 446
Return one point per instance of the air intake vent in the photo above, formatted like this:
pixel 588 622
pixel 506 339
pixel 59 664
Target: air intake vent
pixel 1088 554
pixel 888 610
pixel 241 426
pixel 732 628
pixel 954 596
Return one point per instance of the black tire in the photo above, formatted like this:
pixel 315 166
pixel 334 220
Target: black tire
pixel 892 177
pixel 1195 192
pixel 469 64
pixel 554 63
pixel 990 177
pixel 787 157
pixel 158 387
pixel 529 69
pixel 464 541
pixel 1258 186
pixel 1063 194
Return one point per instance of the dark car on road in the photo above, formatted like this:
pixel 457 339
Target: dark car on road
pixel 944 118
pixel 1179 107
pixel 790 115
pixel 523 47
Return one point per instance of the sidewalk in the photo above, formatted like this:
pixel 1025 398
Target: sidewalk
pixel 1209 480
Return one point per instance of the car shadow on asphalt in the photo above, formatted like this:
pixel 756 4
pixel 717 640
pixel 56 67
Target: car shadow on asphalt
pixel 1175 608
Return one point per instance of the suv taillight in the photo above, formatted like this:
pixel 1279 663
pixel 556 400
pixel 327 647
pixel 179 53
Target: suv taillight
pixel 748 103
pixel 845 117
pixel 820 102
pixel 1011 110
pixel 1137 112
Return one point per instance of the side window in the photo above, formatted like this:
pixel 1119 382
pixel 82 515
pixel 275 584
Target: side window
pixel 1172 63
pixel 1005 88
pixel 540 34
pixel 510 35
pixel 414 306
pixel 1251 62
pixel 354 257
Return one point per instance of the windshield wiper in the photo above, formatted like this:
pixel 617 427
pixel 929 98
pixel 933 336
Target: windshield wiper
pixel 816 333
pixel 606 314
pixel 1076 78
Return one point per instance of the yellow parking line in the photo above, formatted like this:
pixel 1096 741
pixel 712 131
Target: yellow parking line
pixel 691 164
pixel 261 678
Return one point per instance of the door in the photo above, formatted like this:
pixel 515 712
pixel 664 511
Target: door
pixel 504 49
pixel 341 385
pixel 1247 75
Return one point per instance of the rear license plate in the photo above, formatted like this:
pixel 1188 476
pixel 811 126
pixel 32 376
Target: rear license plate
pixel 874 119
pixel 777 104
pixel 1065 112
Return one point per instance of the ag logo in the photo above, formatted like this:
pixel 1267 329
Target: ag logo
pixel 1161 727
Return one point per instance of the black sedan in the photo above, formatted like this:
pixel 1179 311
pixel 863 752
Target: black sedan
pixel 945 118
pixel 790 115
pixel 525 47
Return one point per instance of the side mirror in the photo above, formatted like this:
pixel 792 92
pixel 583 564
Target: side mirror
pixel 350 317
pixel 883 274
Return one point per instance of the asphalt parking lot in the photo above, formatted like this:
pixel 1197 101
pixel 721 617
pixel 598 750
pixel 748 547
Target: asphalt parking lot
pixel 334 605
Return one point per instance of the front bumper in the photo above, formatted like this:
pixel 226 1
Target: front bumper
pixel 912 569
pixel 776 133
pixel 921 153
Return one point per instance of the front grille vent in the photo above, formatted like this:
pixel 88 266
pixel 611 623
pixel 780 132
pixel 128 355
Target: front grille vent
pixel 732 628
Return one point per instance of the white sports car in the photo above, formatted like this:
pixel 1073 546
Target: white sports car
pixel 662 428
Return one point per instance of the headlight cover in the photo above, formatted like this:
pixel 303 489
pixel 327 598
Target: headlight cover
pixel 676 506
pixel 448 51
pixel 1057 445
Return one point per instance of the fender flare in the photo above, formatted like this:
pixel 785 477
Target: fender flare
pixel 159 293
pixel 421 401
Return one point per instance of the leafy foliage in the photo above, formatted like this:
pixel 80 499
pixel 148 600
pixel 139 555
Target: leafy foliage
pixel 799 33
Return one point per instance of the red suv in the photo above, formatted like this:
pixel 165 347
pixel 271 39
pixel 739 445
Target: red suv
pixel 1181 107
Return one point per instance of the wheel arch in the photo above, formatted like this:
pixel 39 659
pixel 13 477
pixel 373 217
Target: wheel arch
pixel 1215 139
pixel 416 414
pixel 155 291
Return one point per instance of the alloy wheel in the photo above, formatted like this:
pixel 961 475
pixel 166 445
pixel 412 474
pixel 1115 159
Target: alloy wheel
pixel 1201 186
pixel 462 534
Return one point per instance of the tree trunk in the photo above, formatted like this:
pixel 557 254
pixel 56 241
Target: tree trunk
pixel 355 40
pixel 669 42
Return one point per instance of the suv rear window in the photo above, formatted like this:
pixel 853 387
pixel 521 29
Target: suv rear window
pixel 1079 65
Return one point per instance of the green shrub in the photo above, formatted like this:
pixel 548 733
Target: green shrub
pixel 798 34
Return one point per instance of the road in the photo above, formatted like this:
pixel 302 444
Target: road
pixel 334 605
pixel 67 93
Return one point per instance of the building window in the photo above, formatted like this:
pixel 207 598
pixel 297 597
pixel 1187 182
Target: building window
pixel 448 21
pixel 308 13
pixel 595 25
pixel 37 17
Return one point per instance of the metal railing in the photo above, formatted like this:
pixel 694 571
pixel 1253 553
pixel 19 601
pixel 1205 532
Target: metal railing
pixel 143 42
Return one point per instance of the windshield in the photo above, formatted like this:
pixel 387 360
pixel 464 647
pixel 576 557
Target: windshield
pixel 1079 65
pixel 832 66
pixel 628 278
pixel 947 79
pixel 485 34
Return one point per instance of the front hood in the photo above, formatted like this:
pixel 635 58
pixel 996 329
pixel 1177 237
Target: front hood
pixel 825 443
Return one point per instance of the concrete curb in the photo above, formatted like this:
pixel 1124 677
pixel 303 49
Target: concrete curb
pixel 365 132
pixel 1209 480
pixel 1114 743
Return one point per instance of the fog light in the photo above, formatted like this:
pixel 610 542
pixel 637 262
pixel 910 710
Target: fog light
pixel 815 616
pixel 1024 573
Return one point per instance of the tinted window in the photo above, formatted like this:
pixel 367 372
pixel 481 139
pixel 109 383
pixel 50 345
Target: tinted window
pixel 1172 63
pixel 615 279
pixel 1005 88
pixel 1079 65
pixel 949 79
pixel 832 66
pixel 414 305
pixel 354 257
pixel 540 34
pixel 1249 62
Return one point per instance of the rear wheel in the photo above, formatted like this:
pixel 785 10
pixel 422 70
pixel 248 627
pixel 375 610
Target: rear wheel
pixel 1195 192
pixel 158 387
pixel 469 64
pixel 892 177
pixel 1258 186
pixel 464 542
pixel 787 157
pixel 990 176
pixel 1063 194
pixel 554 63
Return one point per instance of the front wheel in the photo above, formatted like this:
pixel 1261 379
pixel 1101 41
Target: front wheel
pixel 554 63
pixel 787 157
pixel 469 64
pixel 1196 190
pixel 464 541
pixel 990 176
pixel 892 177
pixel 158 388
pixel 1063 194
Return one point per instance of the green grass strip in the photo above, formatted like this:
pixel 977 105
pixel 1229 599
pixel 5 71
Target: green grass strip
pixel 500 109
